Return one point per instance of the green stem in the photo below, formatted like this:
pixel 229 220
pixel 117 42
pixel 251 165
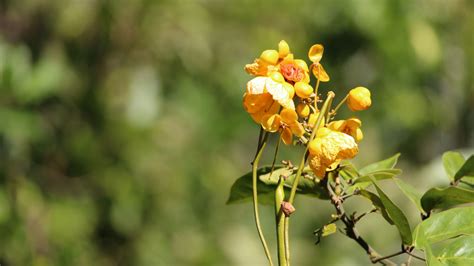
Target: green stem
pixel 255 197
pixel 291 198
pixel 333 112
pixel 282 260
pixel 316 93
pixel 280 222
pixel 275 156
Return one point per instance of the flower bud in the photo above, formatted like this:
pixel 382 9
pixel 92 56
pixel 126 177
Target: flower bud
pixel 359 99
pixel 303 110
pixel 277 76
pixel 303 90
pixel 290 89
pixel 313 118
pixel 270 56
pixel 283 49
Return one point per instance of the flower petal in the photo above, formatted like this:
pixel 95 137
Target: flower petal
pixel 316 53
pixel 256 85
pixel 286 136
pixel 320 73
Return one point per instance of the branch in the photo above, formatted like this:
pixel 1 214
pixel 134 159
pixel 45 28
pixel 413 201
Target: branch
pixel 352 232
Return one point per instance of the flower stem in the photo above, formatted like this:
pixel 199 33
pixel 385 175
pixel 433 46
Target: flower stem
pixel 262 144
pixel 291 198
pixel 280 222
pixel 333 112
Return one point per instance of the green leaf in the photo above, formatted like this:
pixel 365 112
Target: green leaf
pixel 459 251
pixel 437 198
pixel 410 192
pixel 467 169
pixel 241 190
pixel 329 229
pixel 397 216
pixel 384 164
pixel 444 225
pixel 452 162
pixel 377 204
pixel 366 181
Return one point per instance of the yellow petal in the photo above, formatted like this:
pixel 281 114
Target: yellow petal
pixel 256 85
pixel 302 64
pixel 286 136
pixel 320 73
pixel 297 129
pixel 283 49
pixel 315 164
pixel 359 135
pixel 290 89
pixel 316 53
pixel 256 102
pixel 288 116
pixel 257 68
pixel 279 93
pixel 271 123
pixel 313 118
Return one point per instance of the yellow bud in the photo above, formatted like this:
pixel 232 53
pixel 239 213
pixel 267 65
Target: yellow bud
pixel 303 90
pixel 277 76
pixel 270 56
pixel 303 110
pixel 283 49
pixel 359 99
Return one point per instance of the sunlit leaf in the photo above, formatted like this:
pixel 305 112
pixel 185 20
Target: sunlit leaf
pixel 410 192
pixel 436 198
pixel 467 169
pixel 397 216
pixel 388 163
pixel 459 251
pixel 444 225
pixel 366 181
pixel 452 162
pixel 329 229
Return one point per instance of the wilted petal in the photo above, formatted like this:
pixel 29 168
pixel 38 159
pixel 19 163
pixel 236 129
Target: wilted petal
pixel 320 73
pixel 316 53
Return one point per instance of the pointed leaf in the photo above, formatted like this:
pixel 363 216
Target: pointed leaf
pixel 397 216
pixel 366 181
pixel 444 225
pixel 467 169
pixel 377 204
pixel 410 192
pixel 241 190
pixel 436 198
pixel 384 164
pixel 452 162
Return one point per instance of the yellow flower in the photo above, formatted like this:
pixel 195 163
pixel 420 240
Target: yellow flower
pixel 303 110
pixel 313 118
pixel 350 126
pixel 315 54
pixel 259 105
pixel 359 99
pixel 328 149
pixel 275 86
pixel 286 122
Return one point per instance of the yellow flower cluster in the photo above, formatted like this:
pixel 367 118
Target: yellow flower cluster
pixel 281 99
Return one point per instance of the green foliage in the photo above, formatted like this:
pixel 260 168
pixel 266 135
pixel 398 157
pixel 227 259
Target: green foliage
pixel 452 162
pixel 396 215
pixel 467 169
pixel 439 198
pixel 411 193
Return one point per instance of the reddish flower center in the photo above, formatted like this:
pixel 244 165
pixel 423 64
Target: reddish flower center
pixel 292 72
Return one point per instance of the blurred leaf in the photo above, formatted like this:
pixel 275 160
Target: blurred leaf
pixel 397 216
pixel 388 163
pixel 459 251
pixel 467 169
pixel 329 229
pixel 377 202
pixel 436 198
pixel 444 225
pixel 452 162
pixel 410 192
pixel 241 190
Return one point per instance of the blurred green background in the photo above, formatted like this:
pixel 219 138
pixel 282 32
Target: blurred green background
pixel 122 128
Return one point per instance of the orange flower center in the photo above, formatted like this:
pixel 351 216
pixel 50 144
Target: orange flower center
pixel 292 72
